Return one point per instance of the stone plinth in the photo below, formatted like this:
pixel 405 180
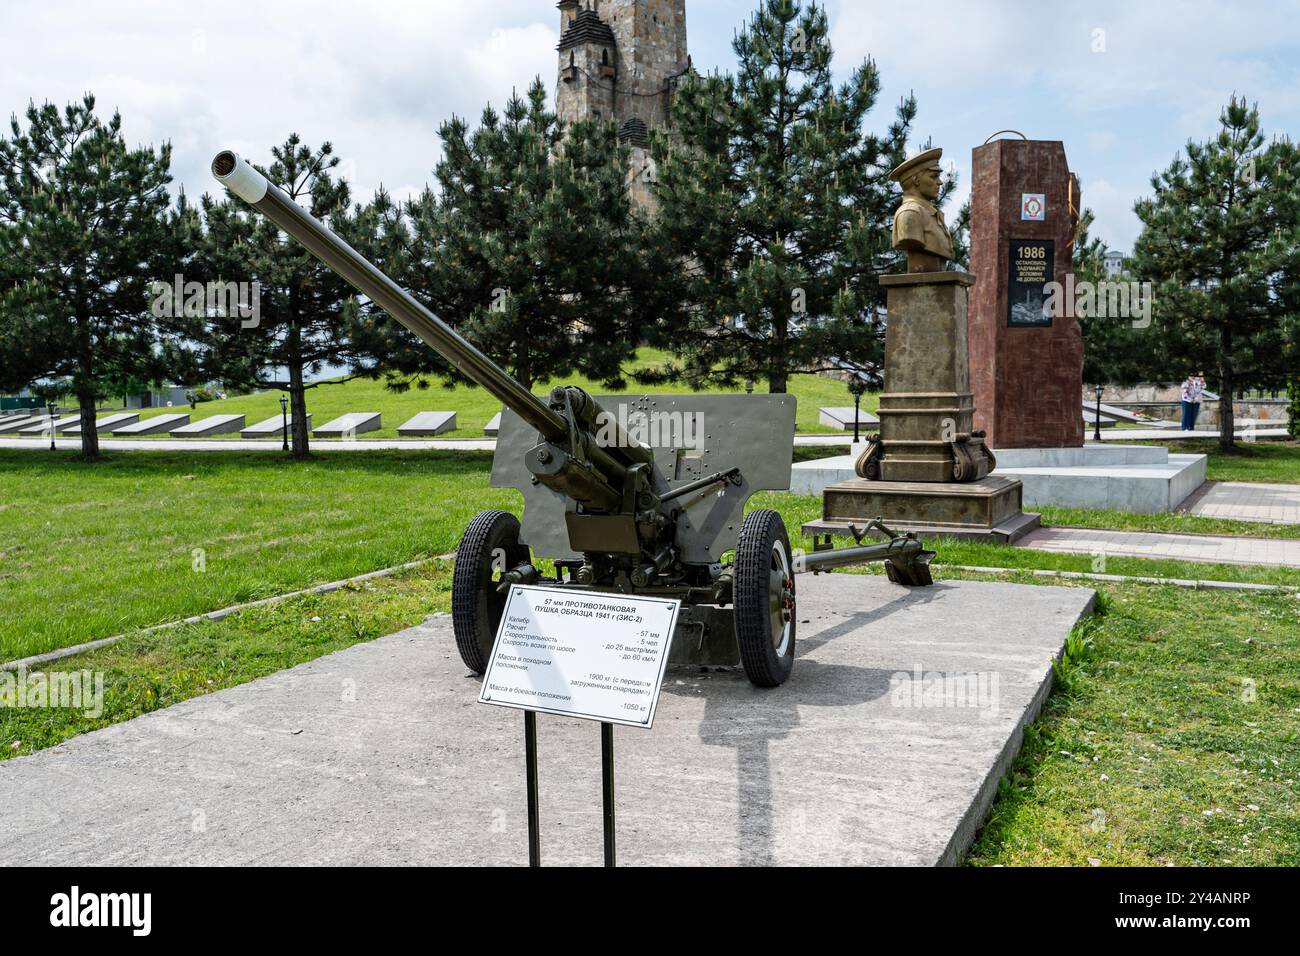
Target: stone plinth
pixel 1026 378
pixel 350 425
pixel 988 509
pixel 926 408
pixel 428 424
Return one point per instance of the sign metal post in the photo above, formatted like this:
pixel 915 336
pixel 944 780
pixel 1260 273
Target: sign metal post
pixel 530 771
pixel 583 654
pixel 607 787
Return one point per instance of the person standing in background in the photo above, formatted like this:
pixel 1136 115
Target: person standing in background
pixel 1198 390
pixel 1189 396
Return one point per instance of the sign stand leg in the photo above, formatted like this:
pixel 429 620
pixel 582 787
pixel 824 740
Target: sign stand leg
pixel 530 766
pixel 607 787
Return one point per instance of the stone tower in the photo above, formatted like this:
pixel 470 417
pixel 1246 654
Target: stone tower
pixel 622 60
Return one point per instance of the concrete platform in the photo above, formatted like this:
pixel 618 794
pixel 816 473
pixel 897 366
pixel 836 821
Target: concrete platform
pixel 1135 478
pixel 379 754
pixel 271 427
pixel 153 426
pixel 428 423
pixel 812 477
pixel 842 418
pixel 212 425
pixel 107 424
pixel 349 425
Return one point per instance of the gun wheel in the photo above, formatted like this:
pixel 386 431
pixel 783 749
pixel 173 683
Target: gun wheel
pixel 764 596
pixel 489 547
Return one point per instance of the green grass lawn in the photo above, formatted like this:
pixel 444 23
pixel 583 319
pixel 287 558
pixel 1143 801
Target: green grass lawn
pixel 1172 739
pixel 473 406
pixel 87 551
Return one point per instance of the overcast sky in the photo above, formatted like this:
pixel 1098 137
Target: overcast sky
pixel 377 77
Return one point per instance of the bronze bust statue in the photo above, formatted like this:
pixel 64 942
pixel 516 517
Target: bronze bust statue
pixel 919 229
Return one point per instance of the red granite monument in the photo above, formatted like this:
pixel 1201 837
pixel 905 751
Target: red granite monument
pixel 1026 365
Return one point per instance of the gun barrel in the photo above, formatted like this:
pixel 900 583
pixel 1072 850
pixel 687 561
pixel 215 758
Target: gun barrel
pixel 271 201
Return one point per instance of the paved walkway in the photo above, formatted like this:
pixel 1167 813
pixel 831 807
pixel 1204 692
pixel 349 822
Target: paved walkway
pixel 374 444
pixel 239 444
pixel 1175 434
pixel 380 755
pixel 1216 549
pixel 1246 501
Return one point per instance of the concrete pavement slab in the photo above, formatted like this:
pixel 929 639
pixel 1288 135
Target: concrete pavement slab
pixel 884 747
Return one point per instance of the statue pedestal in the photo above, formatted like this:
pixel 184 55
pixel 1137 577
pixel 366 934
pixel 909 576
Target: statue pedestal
pixel 926 412
pixel 988 509
pixel 928 471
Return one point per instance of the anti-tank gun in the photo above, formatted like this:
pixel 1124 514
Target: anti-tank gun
pixel 645 496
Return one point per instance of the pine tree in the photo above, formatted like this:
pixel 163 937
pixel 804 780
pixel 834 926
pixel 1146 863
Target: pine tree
pixel 779 203
pixel 1115 350
pixel 85 227
pixel 1293 406
pixel 529 248
pixel 1221 244
pixel 307 317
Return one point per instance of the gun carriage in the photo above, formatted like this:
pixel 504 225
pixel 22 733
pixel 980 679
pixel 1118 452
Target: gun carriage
pixel 611 512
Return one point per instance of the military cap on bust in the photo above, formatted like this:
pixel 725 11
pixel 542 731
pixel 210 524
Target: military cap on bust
pixel 926 160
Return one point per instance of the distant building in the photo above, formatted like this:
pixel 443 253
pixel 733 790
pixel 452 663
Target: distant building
pixel 21 400
pixel 1114 263
pixel 622 60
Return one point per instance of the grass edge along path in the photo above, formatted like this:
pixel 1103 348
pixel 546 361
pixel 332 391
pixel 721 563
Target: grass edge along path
pixel 1171 738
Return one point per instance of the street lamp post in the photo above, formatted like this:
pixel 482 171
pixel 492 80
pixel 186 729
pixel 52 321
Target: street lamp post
pixel 284 422
pixel 856 386
pixel 1096 430
pixel 54 412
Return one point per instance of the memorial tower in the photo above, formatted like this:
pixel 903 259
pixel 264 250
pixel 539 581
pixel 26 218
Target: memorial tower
pixel 622 60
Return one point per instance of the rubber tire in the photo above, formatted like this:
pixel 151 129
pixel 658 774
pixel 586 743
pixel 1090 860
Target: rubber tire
pixel 761 532
pixel 476 605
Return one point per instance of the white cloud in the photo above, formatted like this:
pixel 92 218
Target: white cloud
pixel 1113 208
pixel 1162 79
pixel 375 78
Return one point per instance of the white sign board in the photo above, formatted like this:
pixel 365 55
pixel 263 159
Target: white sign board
pixel 581 654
